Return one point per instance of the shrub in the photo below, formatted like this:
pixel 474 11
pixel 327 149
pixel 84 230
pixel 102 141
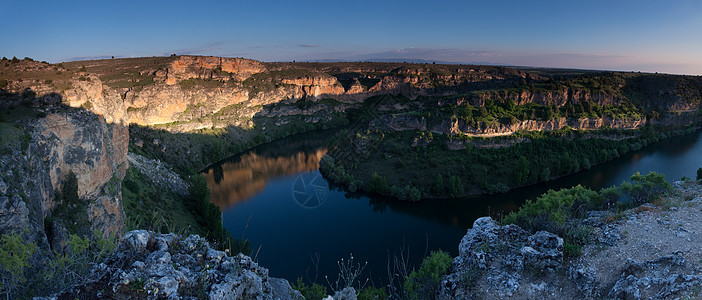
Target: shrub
pixel 14 259
pixel 551 210
pixel 424 283
pixel 644 188
pixel 572 250
pixel 370 293
pixel 699 174
pixel 312 291
pixel 87 105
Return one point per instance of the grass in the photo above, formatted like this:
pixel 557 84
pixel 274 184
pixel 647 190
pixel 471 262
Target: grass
pixel 149 206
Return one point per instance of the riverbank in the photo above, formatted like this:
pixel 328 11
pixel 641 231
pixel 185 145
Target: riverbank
pixel 387 163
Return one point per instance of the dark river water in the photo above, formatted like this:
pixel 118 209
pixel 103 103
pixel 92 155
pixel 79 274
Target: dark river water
pixel 299 226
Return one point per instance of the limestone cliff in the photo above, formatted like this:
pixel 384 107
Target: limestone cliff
pixel 185 93
pixel 457 126
pixel 64 141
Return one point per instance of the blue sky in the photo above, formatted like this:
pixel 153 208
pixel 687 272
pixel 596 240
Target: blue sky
pixel 651 36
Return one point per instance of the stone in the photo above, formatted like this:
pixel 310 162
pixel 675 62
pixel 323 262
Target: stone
pixel 544 250
pixel 135 241
pixel 178 266
pixel 348 293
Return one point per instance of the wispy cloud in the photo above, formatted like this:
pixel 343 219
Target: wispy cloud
pixel 96 57
pixel 308 45
pixel 196 50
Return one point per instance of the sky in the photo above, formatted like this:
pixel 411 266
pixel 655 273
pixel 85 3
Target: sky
pixel 625 35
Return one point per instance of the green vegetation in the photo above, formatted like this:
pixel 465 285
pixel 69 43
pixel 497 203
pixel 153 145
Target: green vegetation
pixel 15 255
pixel 371 293
pixel 73 265
pixel 389 165
pixel 71 210
pixel 559 212
pixel 148 206
pixel 312 291
pixel 424 283
pixel 699 174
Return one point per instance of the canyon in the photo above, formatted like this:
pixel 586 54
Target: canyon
pixel 82 118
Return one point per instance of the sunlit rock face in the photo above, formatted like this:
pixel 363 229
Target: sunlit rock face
pixel 236 182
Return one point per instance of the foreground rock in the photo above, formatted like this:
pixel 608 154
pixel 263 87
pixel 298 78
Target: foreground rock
pixel 653 253
pixel 502 261
pixel 151 265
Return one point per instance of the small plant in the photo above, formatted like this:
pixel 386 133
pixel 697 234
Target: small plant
pixel 312 291
pixel 138 285
pixel 348 275
pixel 371 293
pixel 87 105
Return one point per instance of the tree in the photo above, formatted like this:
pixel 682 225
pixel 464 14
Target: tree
pixel 439 185
pixel 699 174
pixel 455 188
pixel 521 173
pixel 378 184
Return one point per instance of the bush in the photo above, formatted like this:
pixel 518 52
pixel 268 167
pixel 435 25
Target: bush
pixel 699 174
pixel 313 291
pixel 645 188
pixel 551 210
pixel 572 250
pixel 424 284
pixel 370 293
pixel 15 253
pixel 73 265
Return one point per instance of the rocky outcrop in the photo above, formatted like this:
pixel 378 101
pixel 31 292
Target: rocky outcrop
pixel 208 67
pixel 643 256
pixel 151 265
pixel 495 259
pixel 456 126
pixel 63 142
pixel 159 173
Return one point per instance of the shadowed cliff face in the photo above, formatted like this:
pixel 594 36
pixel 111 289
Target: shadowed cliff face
pixel 63 141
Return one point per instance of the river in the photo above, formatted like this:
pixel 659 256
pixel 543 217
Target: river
pixel 300 226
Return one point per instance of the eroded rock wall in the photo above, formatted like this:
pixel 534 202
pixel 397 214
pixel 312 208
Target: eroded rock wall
pixel 66 140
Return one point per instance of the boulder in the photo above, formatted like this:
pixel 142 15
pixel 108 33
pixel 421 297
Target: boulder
pixel 152 265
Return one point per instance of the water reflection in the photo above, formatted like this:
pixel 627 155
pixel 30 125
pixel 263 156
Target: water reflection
pixel 242 176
